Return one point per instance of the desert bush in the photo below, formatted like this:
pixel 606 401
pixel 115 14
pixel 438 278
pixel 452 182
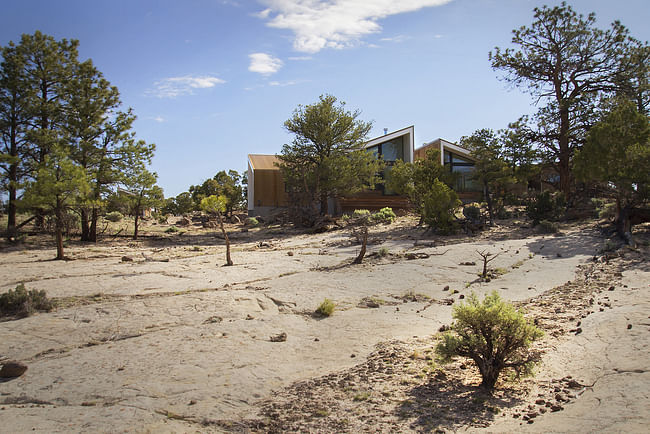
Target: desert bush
pixel 252 221
pixel 71 223
pixel 171 230
pixel 472 212
pixel 547 227
pixel 438 208
pixel 383 252
pixel 546 206
pixel 493 334
pixel 22 303
pixel 358 213
pixel 162 219
pixel 604 210
pixel 384 215
pixel 115 216
pixel 326 308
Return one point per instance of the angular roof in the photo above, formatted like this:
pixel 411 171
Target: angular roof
pixel 263 162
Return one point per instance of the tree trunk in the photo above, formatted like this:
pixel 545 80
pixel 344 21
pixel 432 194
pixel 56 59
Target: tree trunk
pixel 323 204
pixel 85 226
pixel 564 167
pixel 626 217
pixel 11 213
pixel 489 374
pixel 364 243
pixel 59 231
pixel 135 229
pixel 93 225
pixel 225 237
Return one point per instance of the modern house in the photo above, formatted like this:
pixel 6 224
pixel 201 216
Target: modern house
pixel 459 161
pixel 266 191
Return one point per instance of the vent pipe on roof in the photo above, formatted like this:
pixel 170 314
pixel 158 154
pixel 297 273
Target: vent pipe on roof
pixel 385 131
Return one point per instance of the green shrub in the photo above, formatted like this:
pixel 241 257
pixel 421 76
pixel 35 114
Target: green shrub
pixel 252 221
pixel 326 308
pixel 438 208
pixel 383 252
pixel 547 227
pixel 472 212
pixel 162 219
pixel 21 303
pixel 358 213
pixel 546 206
pixel 172 229
pixel 114 216
pixel 384 215
pixel 493 334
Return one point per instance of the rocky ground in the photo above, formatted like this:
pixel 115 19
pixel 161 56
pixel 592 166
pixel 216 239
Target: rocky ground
pixel 157 336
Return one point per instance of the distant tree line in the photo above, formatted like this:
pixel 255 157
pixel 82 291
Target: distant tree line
pixel 231 185
pixel 66 143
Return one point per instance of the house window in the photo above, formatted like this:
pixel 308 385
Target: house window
pixel 390 151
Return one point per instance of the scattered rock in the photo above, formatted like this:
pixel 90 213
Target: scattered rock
pixel 420 255
pixel 446 288
pixel 460 297
pixel 468 263
pixel 289 253
pixel 279 338
pixel 556 407
pixel 213 320
pixel 540 402
pixel 611 288
pixel 444 328
pixel 127 259
pixel 629 326
pixel 249 317
pixel 12 369
pixel 183 222
pixel 578 330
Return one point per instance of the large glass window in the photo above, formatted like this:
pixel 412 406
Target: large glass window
pixel 393 150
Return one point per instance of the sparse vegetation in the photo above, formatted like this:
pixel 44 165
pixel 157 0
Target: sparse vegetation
pixel 21 303
pixel 546 206
pixel 382 252
pixel 171 230
pixel 326 308
pixel 252 221
pixel 547 227
pixel 493 334
pixel 384 215
pixel 114 216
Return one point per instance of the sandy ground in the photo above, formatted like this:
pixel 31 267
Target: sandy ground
pixel 172 341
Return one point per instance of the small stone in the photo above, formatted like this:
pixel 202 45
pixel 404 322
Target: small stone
pixel 289 253
pixel 540 402
pixel 578 330
pixel 249 317
pixel 446 288
pixel 12 369
pixel 460 297
pixel 316 340
pixel 556 407
pixel 352 356
pixel 629 326
pixel 279 338
pixel 127 259
pixel 559 255
pixel 192 402
pixel 611 288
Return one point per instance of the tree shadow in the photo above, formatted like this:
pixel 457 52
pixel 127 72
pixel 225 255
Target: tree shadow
pixel 448 403
pixel 565 246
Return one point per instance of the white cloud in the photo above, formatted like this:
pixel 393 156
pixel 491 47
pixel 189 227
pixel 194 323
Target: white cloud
pixel 398 38
pixel 283 83
pixel 300 58
pixel 264 64
pixel 159 119
pixel 185 85
pixel 319 24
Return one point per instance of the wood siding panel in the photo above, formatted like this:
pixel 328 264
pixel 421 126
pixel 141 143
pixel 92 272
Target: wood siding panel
pixel 269 188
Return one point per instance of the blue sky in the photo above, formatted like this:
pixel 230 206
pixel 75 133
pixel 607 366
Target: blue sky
pixel 214 80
